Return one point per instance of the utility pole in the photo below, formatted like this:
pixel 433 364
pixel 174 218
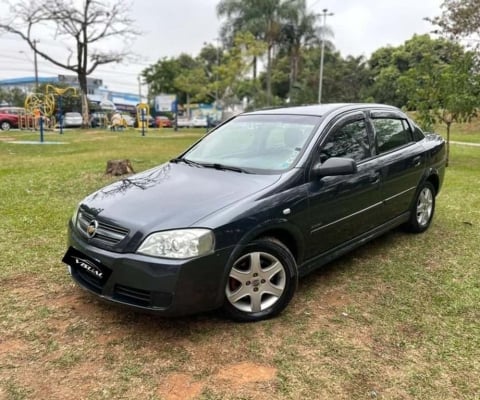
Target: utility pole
pixel 35 63
pixel 325 13
pixel 139 88
pixel 216 74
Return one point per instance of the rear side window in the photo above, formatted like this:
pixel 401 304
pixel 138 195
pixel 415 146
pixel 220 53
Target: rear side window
pixel 348 140
pixel 391 133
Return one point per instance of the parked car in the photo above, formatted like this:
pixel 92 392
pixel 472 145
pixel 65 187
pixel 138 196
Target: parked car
pixel 128 120
pixel 263 199
pixel 9 117
pixel 72 120
pixel 150 121
pixel 196 122
pixel 162 122
pixel 99 120
pixel 199 122
pixel 183 123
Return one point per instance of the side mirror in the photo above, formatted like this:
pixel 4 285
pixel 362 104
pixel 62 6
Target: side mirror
pixel 335 166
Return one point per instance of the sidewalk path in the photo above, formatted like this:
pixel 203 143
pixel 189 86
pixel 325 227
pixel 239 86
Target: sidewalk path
pixel 465 143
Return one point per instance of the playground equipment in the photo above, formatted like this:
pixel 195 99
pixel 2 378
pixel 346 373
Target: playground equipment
pixel 40 108
pixel 38 105
pixel 143 111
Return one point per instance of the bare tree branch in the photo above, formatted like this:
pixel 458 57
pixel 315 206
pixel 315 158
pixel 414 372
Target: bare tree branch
pixel 91 23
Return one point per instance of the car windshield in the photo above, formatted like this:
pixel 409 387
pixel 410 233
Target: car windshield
pixel 256 143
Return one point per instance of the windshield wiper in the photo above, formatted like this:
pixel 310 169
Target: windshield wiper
pixel 186 161
pixel 225 167
pixel 218 166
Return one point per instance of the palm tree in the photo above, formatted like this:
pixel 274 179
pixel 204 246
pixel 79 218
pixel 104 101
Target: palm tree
pixel 299 31
pixel 263 19
pixel 241 16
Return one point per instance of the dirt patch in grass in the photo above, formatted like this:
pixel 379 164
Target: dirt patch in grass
pixel 245 378
pixel 180 387
pixel 12 346
pixel 238 375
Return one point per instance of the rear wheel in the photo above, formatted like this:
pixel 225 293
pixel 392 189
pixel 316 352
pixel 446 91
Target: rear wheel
pixel 423 209
pixel 5 125
pixel 261 282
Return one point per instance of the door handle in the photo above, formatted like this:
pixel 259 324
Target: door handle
pixel 417 161
pixel 374 178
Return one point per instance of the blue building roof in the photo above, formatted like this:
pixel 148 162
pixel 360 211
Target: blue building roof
pixel 28 80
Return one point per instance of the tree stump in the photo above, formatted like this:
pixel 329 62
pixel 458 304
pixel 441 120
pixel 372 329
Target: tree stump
pixel 119 167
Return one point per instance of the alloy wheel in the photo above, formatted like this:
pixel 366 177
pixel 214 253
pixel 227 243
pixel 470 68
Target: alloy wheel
pixel 256 282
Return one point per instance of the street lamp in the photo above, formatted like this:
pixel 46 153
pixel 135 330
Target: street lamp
pixel 139 78
pixel 216 72
pixel 35 62
pixel 325 13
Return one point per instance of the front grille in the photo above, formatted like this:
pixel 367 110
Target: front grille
pixel 107 233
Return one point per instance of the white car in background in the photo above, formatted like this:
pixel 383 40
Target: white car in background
pixel 199 122
pixel 183 123
pixel 72 119
pixel 129 120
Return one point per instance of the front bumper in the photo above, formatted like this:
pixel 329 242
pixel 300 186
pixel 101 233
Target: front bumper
pixel 163 286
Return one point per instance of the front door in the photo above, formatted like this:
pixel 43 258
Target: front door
pixel 343 207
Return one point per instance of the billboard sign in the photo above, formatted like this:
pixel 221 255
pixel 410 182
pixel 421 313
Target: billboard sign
pixel 165 103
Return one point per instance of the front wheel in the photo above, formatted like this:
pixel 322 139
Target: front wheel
pixel 5 125
pixel 261 281
pixel 422 210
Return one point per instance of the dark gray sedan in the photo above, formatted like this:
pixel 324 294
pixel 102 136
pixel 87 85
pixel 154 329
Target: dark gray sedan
pixel 261 200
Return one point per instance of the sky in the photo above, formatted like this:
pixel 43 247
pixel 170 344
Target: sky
pixel 170 27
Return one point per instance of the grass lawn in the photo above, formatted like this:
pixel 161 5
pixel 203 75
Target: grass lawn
pixel 396 319
pixel 469 133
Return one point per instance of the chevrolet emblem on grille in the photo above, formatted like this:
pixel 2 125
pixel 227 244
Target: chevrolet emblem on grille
pixel 92 229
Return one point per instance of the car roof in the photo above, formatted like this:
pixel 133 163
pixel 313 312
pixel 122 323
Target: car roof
pixel 3 108
pixel 320 109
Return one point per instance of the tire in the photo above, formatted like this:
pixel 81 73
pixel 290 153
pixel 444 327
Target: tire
pixel 261 281
pixel 5 125
pixel 423 209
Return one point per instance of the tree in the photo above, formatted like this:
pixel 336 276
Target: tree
pixel 161 76
pixel 299 32
pixel 346 79
pixel 84 25
pixel 192 82
pixel 13 97
pixel 444 93
pixel 460 19
pixel 232 82
pixel 263 19
pixel 389 64
pixel 215 74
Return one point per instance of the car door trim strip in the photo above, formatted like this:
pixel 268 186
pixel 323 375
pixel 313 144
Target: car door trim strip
pixel 316 228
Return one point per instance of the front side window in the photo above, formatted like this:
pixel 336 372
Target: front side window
pixel 350 140
pixel 391 133
pixel 256 143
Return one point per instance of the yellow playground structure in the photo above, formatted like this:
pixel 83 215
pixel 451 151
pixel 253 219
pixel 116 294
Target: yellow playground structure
pixel 39 105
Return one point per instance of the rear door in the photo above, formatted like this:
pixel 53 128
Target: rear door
pixel 342 207
pixel 401 160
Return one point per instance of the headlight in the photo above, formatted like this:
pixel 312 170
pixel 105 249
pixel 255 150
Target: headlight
pixel 181 243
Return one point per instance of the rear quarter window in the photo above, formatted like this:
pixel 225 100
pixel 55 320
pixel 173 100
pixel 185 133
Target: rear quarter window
pixel 391 133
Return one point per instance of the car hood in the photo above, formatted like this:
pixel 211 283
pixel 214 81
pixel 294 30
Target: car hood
pixel 172 196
